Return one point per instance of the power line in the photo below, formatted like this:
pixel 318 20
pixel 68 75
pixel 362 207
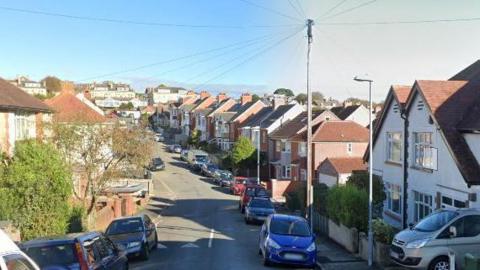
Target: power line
pixel 402 22
pixel 277 43
pixel 271 10
pixel 332 9
pixel 177 58
pixel 301 8
pixel 143 23
pixel 350 9
pixel 295 8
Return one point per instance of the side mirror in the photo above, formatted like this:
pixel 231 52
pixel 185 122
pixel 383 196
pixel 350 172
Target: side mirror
pixel 452 231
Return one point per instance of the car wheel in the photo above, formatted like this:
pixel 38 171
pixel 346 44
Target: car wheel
pixel 266 261
pixel 145 252
pixel 440 263
pixel 126 266
pixel 155 244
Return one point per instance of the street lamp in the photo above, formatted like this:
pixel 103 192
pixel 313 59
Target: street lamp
pixel 370 170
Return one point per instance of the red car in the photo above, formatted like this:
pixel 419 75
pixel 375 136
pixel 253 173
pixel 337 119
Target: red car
pixel 251 190
pixel 238 185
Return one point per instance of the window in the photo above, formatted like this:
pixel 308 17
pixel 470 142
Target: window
pixel 302 149
pixel 394 198
pixel 286 171
pixel 17 262
pixel 24 126
pixel 349 148
pixel 285 147
pixel 424 153
pixel 303 175
pixel 423 205
pixel 448 202
pixel 278 146
pixel 394 146
pixel 468 226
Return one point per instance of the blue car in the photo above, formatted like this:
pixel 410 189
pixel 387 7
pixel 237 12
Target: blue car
pixel 80 251
pixel 288 240
pixel 137 235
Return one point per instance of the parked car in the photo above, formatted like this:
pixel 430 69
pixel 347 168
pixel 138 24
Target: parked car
pixel 196 158
pixel 426 245
pixel 156 164
pixel 159 137
pixel 251 190
pixel 184 155
pixel 11 257
pixel 177 148
pixel 208 169
pixel 258 209
pixel 289 240
pixel 137 235
pixel 90 251
pixel 238 185
pixel 222 177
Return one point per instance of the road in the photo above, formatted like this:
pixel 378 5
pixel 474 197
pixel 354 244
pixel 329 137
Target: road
pixel 199 226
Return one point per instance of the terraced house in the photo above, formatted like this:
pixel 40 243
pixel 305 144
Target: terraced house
pixel 427 146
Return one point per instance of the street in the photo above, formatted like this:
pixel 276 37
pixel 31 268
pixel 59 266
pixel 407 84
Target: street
pixel 202 229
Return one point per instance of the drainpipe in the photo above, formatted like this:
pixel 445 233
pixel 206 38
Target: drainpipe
pixel 404 116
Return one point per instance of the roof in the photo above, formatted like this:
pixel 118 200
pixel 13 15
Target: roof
pixel 226 115
pixel 344 112
pixel 188 107
pixel 401 93
pixel 12 98
pixel 204 111
pixel 220 105
pixel 277 113
pixel 340 131
pixel 292 127
pixel 243 108
pixel 68 108
pixel 346 164
pixel 256 119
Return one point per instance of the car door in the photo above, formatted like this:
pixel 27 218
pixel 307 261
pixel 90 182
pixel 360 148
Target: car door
pixel 264 234
pixel 115 261
pixel 149 230
pixel 467 239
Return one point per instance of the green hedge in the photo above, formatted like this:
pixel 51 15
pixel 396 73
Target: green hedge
pixel 348 205
pixel 296 199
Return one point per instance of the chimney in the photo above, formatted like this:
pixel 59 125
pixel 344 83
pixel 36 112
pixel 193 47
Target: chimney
pixel 347 103
pixel 245 98
pixel 279 100
pixel 204 94
pixel 221 97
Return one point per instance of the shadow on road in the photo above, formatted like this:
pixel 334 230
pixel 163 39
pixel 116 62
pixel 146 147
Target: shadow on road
pixel 180 164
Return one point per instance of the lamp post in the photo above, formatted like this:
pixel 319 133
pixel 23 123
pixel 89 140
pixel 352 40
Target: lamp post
pixel 258 151
pixel 370 170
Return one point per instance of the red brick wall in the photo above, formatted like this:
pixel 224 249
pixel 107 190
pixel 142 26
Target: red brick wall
pixel 335 149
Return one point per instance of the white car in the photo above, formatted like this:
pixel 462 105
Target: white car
pixel 11 257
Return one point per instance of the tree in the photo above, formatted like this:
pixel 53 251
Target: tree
pixel 194 139
pixel 35 187
pixel 101 153
pixel 360 180
pixel 53 84
pixel 242 151
pixel 126 106
pixel 317 96
pixel 301 98
pixel 284 91
pixel 255 97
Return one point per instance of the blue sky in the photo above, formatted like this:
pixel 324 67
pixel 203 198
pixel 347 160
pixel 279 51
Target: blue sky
pixel 38 45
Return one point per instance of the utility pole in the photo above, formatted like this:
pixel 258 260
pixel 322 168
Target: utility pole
pixel 259 146
pixel 309 194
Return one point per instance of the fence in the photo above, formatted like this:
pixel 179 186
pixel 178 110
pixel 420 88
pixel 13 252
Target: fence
pixel 320 223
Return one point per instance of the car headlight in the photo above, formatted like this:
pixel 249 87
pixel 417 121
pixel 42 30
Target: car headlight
pixel 417 243
pixel 272 244
pixel 312 247
pixel 134 244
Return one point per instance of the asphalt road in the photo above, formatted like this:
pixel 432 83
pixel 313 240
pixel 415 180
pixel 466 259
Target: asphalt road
pixel 198 224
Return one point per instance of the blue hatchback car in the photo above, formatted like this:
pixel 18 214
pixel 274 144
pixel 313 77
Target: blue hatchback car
pixel 288 240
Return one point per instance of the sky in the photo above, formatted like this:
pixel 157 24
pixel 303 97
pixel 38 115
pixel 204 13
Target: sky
pixel 239 45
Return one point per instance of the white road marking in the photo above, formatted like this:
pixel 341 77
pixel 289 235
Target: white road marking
pixel 210 240
pixel 160 246
pixel 189 245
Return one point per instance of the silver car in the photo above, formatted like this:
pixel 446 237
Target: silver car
pixel 427 245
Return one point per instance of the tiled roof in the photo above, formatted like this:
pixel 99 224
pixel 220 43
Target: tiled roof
pixel 69 108
pixel 344 112
pixel 188 107
pixel 222 106
pixel 340 131
pixel 12 97
pixel 277 113
pixel 260 116
pixel 401 92
pixel 292 127
pixel 347 164
pixel 243 108
pixel 227 116
pixel 204 111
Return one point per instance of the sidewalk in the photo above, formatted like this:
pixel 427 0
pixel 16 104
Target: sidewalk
pixel 331 256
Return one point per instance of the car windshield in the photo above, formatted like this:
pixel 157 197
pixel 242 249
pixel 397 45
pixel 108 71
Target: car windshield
pixel 123 226
pixel 200 158
pixel 55 255
pixel 290 227
pixel 157 161
pixel 211 167
pixel 226 175
pixel 435 221
pixel 261 204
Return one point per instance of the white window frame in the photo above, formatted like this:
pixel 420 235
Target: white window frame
pixel 24 126
pixel 424 154
pixel 423 205
pixel 391 142
pixel 393 191
pixel 286 171
pixel 286 147
pixel 302 149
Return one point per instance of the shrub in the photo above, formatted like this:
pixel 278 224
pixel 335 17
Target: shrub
pixel 348 205
pixel 296 199
pixel 382 232
pixel 360 180
pixel 77 218
pixel 320 192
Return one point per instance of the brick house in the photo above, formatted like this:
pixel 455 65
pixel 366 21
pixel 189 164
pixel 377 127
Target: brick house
pixel 247 109
pixel 335 171
pixel 22 116
pixel 223 104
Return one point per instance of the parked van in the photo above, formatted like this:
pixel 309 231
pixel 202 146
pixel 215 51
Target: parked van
pixel 196 158
pixel 11 257
pixel 427 244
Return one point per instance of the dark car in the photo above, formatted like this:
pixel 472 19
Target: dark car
pixel 137 235
pixel 208 169
pixel 251 191
pixel 223 178
pixel 289 240
pixel 156 164
pixel 258 209
pixel 81 251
